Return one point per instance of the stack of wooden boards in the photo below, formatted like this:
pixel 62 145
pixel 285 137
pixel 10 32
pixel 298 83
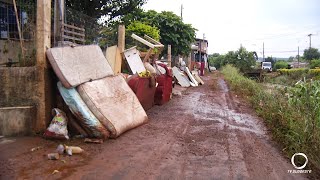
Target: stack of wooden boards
pixel 102 101
pixel 187 78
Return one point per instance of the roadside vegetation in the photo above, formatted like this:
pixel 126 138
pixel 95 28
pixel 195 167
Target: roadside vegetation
pixel 292 114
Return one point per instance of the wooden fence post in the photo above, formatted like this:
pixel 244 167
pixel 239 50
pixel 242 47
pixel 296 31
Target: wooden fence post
pixel 43 42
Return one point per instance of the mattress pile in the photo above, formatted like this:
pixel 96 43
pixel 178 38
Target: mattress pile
pixel 103 103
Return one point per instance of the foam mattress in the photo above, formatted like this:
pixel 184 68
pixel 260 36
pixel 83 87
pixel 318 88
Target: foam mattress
pixel 113 102
pixel 79 64
pixel 84 116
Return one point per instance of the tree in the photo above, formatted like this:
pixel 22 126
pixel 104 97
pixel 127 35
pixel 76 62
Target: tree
pixel 242 59
pixel 270 59
pixel 172 30
pixel 112 9
pixel 140 29
pixel 311 53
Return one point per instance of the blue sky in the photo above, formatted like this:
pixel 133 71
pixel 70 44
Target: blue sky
pixel 282 25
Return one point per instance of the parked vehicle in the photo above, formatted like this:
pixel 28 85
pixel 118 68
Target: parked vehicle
pixel 267 66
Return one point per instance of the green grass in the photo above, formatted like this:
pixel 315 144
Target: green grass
pixel 292 114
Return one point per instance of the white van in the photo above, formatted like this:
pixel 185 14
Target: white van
pixel 267 66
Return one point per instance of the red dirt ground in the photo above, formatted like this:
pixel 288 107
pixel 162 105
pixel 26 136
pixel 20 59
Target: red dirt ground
pixel 207 133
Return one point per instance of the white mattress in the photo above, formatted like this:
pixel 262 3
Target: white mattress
pixel 115 105
pixel 77 65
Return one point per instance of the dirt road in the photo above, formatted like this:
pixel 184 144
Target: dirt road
pixel 206 133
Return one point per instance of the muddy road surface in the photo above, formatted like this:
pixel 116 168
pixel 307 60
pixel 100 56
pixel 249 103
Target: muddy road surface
pixel 206 133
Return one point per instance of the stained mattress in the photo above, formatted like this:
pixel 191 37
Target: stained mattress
pixel 83 113
pixel 77 65
pixel 113 102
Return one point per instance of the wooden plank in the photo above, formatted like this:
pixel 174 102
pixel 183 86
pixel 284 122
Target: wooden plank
pixel 73 27
pixel 74 33
pixel 114 58
pixel 133 58
pixel 197 77
pixel 191 76
pixel 73 38
pixel 153 40
pixel 143 41
pixel 121 38
pixel 181 80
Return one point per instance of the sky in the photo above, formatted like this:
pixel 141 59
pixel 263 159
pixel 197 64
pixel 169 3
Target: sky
pixel 281 25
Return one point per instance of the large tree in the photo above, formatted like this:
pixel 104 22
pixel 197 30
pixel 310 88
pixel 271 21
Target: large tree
pixel 311 53
pixel 172 30
pixel 111 8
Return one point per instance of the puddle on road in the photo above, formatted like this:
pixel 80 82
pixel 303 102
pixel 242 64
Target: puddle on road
pixel 214 107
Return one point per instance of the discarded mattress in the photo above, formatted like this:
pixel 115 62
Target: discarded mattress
pixel 181 80
pixel 133 58
pixel 112 101
pixel 79 64
pixel 85 117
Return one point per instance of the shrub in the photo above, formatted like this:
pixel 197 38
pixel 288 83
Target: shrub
pixel 281 65
pixel 292 114
pixel 315 64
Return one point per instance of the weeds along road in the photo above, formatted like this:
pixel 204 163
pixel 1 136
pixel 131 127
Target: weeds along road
pixel 207 133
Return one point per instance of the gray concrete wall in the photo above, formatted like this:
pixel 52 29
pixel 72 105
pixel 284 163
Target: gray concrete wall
pixel 17 121
pixel 11 49
pixel 18 100
pixel 18 86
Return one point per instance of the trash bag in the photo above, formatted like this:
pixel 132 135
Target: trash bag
pixel 58 126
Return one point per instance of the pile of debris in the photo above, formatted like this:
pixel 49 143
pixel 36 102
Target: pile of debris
pixel 106 102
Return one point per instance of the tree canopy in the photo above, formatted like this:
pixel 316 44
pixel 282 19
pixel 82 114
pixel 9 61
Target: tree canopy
pixel 110 8
pixel 241 59
pixel 311 53
pixel 173 30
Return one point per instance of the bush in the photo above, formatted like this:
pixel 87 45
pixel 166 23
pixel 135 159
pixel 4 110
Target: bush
pixel 315 64
pixel 281 65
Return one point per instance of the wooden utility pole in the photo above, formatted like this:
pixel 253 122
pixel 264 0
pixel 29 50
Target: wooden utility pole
pixel 263 51
pixel 169 55
pixel 43 42
pixel 298 57
pixel 310 40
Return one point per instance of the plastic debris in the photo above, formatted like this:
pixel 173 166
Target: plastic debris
pixel 53 156
pixel 55 171
pixel 60 149
pixel 36 148
pixel 58 126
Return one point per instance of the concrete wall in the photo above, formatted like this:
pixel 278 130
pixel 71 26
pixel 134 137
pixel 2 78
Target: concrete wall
pixel 18 101
pixel 11 49
pixel 17 120
pixel 18 86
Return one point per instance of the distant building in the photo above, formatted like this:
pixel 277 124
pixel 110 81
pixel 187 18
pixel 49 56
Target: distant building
pixel 199 54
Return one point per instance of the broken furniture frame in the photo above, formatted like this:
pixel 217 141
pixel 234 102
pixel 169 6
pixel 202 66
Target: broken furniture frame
pixel 151 43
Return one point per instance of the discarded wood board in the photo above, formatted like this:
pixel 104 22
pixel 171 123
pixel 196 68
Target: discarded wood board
pixel 197 77
pixel 133 58
pixel 114 58
pixel 181 80
pixel 193 80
